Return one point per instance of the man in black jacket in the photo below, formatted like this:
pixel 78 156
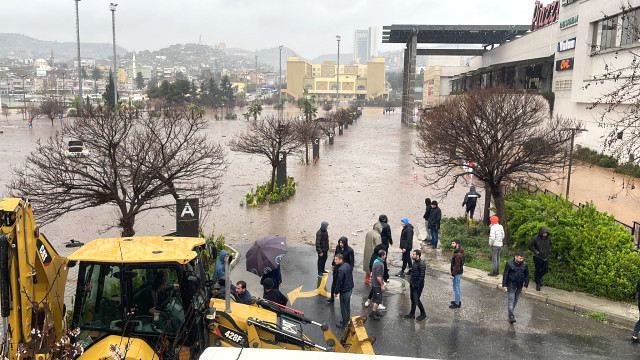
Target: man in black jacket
pixel 272 294
pixel 470 200
pixel 515 279
pixel 385 234
pixel 434 223
pixel 344 286
pixel 540 246
pixel 406 244
pixel 416 284
pixel 322 247
pixel 348 257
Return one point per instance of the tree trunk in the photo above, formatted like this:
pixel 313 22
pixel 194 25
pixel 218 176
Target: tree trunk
pixel 273 177
pixel 501 210
pixel 487 204
pixel 306 154
pixel 126 224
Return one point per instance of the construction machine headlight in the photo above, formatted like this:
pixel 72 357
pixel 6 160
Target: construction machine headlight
pixel 210 316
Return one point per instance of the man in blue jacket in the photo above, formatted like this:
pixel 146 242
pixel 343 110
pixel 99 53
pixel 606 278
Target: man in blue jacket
pixel 344 286
pixel 219 271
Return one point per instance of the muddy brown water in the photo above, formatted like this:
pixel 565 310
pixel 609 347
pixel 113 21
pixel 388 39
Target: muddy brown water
pixel 368 171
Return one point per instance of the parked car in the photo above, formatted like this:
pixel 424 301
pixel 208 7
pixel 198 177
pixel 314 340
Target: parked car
pixel 76 148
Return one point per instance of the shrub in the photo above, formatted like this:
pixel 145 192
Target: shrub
pixel 280 193
pixel 590 251
pixel 230 116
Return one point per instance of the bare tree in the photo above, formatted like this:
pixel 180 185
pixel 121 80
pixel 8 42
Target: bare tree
pixel 508 137
pixel 6 113
pixel 270 136
pixel 33 111
pixel 137 163
pixel 51 108
pixel 307 130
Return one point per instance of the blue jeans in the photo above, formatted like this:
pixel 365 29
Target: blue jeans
pixel 456 288
pixel 513 295
pixel 345 307
pixel 434 237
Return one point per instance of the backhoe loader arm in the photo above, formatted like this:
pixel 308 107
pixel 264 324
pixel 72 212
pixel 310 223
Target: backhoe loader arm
pixel 32 281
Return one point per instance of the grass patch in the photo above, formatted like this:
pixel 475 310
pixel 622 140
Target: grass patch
pixel 280 193
pixel 596 316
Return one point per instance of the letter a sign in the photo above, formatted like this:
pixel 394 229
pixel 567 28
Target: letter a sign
pixel 187 217
pixel 187 210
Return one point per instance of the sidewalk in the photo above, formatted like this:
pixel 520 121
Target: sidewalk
pixel 618 313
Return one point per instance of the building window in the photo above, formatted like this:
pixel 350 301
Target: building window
pixel 333 87
pixel 563 85
pixel 608 36
pixel 630 22
pixel 361 87
pixel 308 87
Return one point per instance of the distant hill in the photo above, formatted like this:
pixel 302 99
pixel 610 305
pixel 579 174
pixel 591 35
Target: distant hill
pixel 22 46
pixel 344 58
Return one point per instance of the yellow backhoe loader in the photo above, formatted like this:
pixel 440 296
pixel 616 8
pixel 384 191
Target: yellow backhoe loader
pixel 135 298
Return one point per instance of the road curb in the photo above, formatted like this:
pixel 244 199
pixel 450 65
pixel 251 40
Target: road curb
pixel 626 322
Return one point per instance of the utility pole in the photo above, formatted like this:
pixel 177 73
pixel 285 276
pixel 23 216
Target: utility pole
pixel 112 7
pixel 79 62
pixel 280 83
pixel 24 99
pixel 256 100
pixel 573 134
pixel 338 75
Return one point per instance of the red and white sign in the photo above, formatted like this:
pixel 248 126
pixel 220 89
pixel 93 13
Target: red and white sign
pixel 545 15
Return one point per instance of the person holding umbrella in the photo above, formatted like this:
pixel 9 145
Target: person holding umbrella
pixel 264 257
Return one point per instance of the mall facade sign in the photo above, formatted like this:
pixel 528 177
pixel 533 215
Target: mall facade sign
pixel 545 15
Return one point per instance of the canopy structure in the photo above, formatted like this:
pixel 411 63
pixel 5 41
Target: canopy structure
pixel 483 36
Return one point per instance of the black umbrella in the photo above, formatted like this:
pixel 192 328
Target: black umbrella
pixel 265 254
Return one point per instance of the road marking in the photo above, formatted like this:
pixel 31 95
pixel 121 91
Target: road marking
pixel 298 293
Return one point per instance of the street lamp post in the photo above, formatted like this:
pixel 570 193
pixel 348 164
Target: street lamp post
pixel 24 99
pixel 79 62
pixel 573 134
pixel 64 98
pixel 112 7
pixel 256 99
pixel 338 75
pixel 280 83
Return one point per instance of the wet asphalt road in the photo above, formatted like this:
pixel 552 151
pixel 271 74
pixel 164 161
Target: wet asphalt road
pixel 478 330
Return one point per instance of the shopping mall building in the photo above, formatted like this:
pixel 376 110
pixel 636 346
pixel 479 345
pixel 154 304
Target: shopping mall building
pixel 568 47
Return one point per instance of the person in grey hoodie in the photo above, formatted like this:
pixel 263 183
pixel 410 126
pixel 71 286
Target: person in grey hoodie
pixel 540 245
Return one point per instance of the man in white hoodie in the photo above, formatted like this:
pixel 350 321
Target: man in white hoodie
pixel 496 235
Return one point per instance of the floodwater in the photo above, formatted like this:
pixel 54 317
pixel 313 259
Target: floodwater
pixel 367 172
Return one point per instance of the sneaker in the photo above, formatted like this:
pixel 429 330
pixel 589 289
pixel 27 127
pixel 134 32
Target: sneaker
pixel 634 338
pixel 340 325
pixel 375 315
pixel 400 273
pixel 382 307
pixel 325 272
pixel 512 319
pixel 492 274
pixel 330 300
pixel 421 317
pixel 455 306
pixel 453 302
pixel 538 286
pixel 320 275
pixel 409 316
pixel 367 303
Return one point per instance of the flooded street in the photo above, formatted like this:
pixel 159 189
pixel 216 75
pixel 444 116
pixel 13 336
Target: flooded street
pixel 367 172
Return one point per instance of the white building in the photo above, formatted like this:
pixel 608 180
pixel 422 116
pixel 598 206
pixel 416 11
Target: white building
pixel 365 45
pixel 570 46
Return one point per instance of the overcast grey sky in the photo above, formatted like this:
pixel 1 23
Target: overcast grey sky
pixel 307 27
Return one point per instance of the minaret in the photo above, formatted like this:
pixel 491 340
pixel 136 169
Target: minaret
pixel 133 70
pixel 52 60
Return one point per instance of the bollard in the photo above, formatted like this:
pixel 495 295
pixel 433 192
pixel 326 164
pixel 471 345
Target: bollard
pixel 340 130
pixel 331 138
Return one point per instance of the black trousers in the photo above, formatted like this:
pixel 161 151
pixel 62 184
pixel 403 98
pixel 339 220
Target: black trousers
pixel 322 260
pixel 406 259
pixel 542 267
pixel 415 300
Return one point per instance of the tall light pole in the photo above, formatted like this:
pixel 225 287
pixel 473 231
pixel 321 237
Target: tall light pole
pixel 79 62
pixel 256 100
pixel 112 7
pixel 573 134
pixel 280 83
pixel 24 98
pixel 338 75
